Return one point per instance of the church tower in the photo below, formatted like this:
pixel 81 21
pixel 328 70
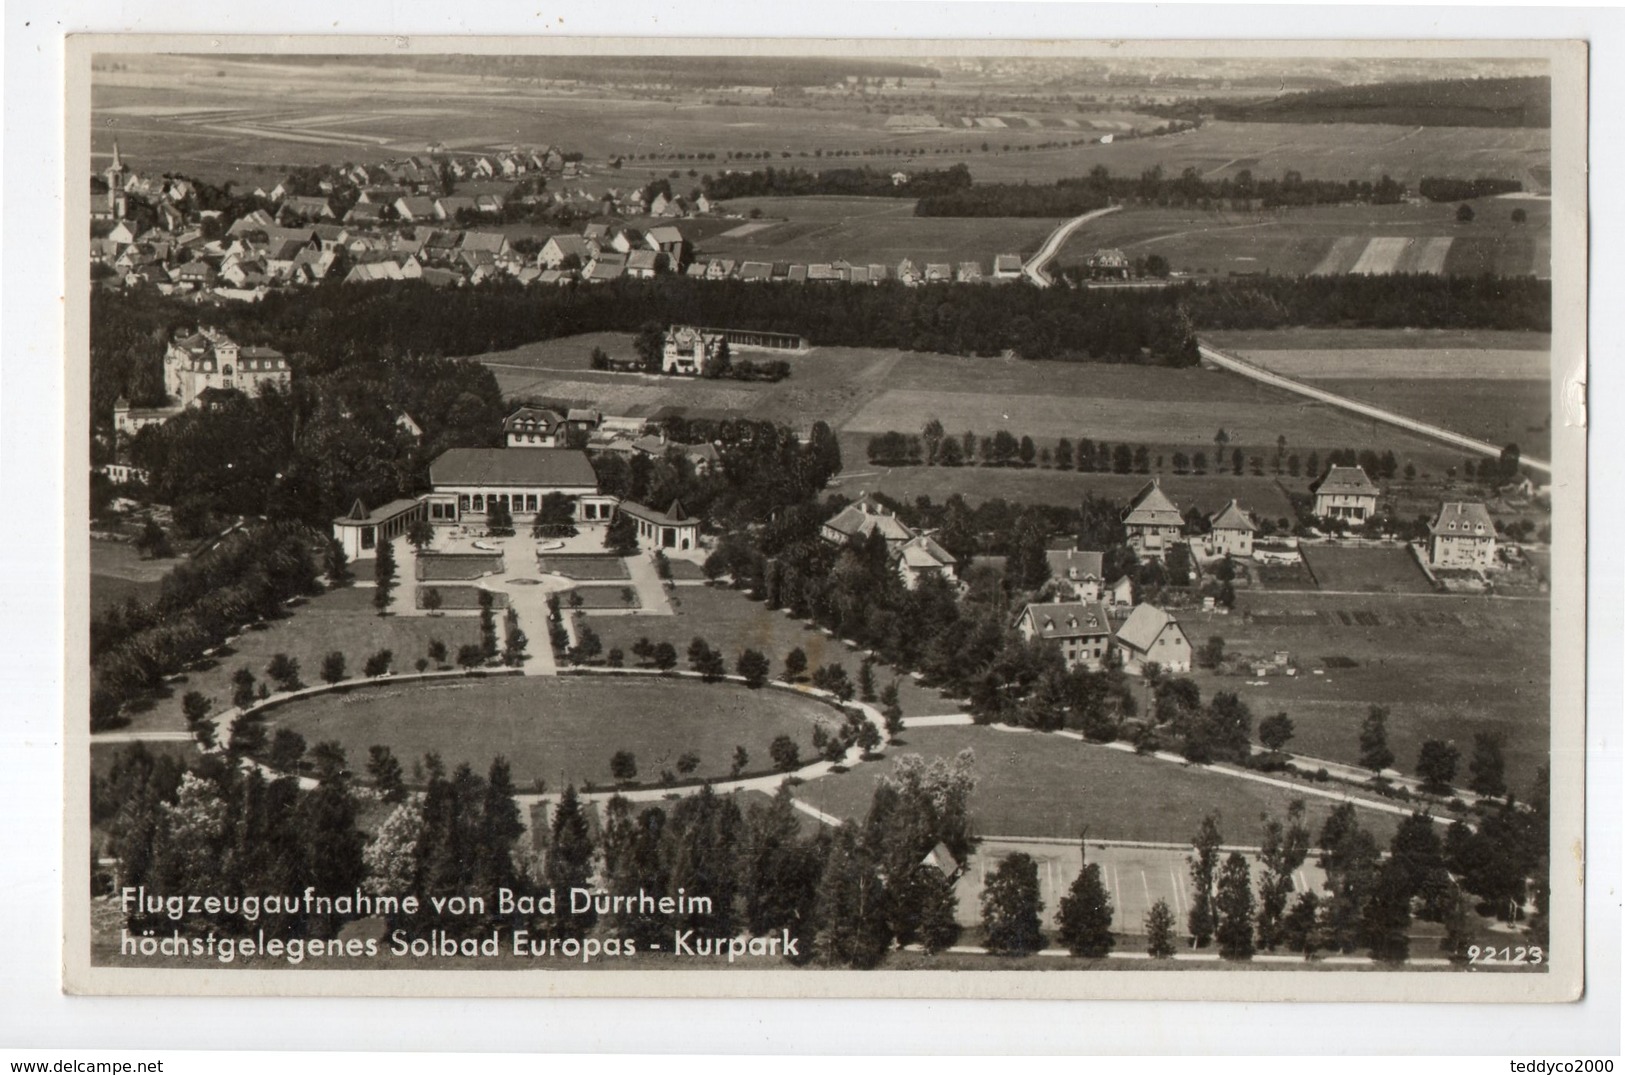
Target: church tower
pixel 117 202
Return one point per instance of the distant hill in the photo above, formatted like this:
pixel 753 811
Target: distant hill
pixel 1457 102
pixel 687 71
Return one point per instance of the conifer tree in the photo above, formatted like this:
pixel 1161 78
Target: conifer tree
pixel 1204 865
pixel 1010 907
pixel 1085 915
pixel 569 857
pixel 383 575
pixel 1159 930
pixel 850 912
pixel 1235 909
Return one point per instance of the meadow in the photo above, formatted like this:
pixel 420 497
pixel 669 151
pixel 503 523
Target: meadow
pixel 1029 784
pixel 1327 240
pixel 864 391
pixel 210 116
pixel 1444 666
pixel 871 230
pixel 118 573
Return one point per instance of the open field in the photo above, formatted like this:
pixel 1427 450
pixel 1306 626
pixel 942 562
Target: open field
pixel 560 729
pixel 1045 785
pixel 862 230
pixel 863 391
pixel 1329 240
pixel 732 623
pixel 1380 569
pixel 1410 363
pixel 1500 411
pixel 248 119
pixel 342 620
pixel 1445 666
pixel 1250 341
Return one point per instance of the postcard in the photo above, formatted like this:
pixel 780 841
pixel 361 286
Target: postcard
pixel 931 518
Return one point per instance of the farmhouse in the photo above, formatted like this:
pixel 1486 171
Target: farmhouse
pixel 860 517
pixel 560 247
pixel 1230 532
pixel 1075 574
pixel 1345 493
pixel 359 531
pixel 921 558
pixel 1462 535
pixel 534 427
pixel 1080 629
pixel 1151 635
pixel 467 482
pixel 691 351
pixel 1153 522
pixel 209 358
pixel 673 528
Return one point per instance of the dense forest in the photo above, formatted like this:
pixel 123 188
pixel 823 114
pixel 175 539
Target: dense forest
pixel 1070 197
pixel 869 182
pixel 330 327
pixel 1446 189
pixel 1457 102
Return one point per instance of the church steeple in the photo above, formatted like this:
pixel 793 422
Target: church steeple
pixel 116 203
pixel 118 164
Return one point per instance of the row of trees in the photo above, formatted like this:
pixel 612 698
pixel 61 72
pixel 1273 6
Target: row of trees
pixel 870 182
pixel 1082 194
pixel 847 896
pixel 246 577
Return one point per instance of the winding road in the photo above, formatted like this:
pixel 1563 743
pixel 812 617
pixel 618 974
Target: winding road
pixel 1439 433
pixel 1037 268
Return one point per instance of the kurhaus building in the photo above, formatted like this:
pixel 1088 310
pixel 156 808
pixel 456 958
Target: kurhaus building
pixel 467 482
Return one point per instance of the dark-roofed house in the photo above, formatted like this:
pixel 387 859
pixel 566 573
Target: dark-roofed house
pixel 467 481
pixel 673 528
pixel 534 427
pixel 1150 634
pixel 359 531
pixel 1345 493
pixel 1153 522
pixel 861 516
pixel 1081 629
pixel 1230 532
pixel 1462 535
pixel 1076 574
pixel 920 558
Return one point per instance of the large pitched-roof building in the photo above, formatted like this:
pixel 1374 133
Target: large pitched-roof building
pixel 208 358
pixel 861 516
pixel 1345 493
pixel 1462 535
pixel 1230 531
pixel 468 482
pixel 1151 635
pixel 1082 630
pixel 1076 575
pixel 1153 522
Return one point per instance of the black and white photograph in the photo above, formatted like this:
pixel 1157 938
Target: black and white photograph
pixel 817 518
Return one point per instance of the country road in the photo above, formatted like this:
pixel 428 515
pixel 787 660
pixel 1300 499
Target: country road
pixel 1438 433
pixel 1036 268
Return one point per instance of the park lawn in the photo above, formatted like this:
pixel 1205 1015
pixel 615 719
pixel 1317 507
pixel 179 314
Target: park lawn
pixel 1263 496
pixel 561 729
pixel 1030 784
pixel 461 598
pixel 732 623
pixel 585 567
pixel 1370 569
pixel 1445 667
pixel 607 596
pixel 342 620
